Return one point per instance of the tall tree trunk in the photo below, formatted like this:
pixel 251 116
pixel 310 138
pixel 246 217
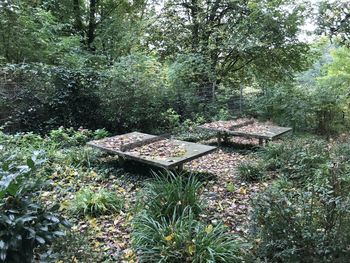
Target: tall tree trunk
pixel 92 24
pixel 195 27
pixel 78 23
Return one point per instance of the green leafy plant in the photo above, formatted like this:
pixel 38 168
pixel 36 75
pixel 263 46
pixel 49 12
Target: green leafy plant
pixel 297 158
pixel 183 239
pixel 171 193
pixel 100 134
pixel 65 137
pixel 304 224
pixel 102 201
pixel 24 222
pixel 230 187
pixel 252 171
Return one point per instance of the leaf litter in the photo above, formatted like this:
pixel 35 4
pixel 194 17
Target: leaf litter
pixel 227 198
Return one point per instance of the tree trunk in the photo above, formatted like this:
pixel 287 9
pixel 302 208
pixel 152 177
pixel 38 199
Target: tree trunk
pixel 78 23
pixel 92 24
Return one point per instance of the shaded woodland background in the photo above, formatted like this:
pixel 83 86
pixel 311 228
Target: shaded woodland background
pixel 125 65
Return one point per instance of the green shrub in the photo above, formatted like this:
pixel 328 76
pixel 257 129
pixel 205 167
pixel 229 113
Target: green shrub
pixel 24 223
pixel 134 94
pixel 308 224
pixel 170 194
pixel 49 97
pixel 100 134
pixel 296 158
pixel 252 171
pixel 76 156
pixel 89 202
pixel 183 239
pixel 65 137
pixel 230 187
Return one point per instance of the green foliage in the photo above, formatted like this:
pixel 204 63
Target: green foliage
pixel 132 99
pixel 32 32
pixel 171 120
pixel 297 158
pixel 182 238
pixel 187 80
pixel 231 187
pixel 94 203
pixel 251 171
pixel 309 224
pixel 24 222
pixel 69 137
pixel 16 179
pixel 288 105
pixel 318 102
pixel 100 134
pixel 170 194
pixel 317 210
pixel 333 20
pixel 47 97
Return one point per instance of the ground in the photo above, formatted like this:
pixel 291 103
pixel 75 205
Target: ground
pixel 227 197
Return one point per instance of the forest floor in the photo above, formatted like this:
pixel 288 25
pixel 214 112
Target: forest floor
pixel 227 197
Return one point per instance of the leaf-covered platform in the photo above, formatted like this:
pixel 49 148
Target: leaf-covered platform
pixel 151 149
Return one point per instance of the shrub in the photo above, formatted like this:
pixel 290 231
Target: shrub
pixel 183 239
pixel 47 97
pixel 100 134
pixel 170 194
pixel 89 202
pixel 252 171
pixel 132 97
pixel 296 158
pixel 24 223
pixel 308 224
pixel 65 137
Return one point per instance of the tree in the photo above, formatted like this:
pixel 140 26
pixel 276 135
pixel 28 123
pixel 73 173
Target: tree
pixel 234 36
pixel 334 20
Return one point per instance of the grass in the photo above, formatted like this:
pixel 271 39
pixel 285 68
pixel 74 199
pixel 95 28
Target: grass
pixel 183 239
pixel 170 193
pixel 94 203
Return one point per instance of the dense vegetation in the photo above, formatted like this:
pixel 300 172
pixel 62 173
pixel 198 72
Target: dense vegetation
pixel 75 71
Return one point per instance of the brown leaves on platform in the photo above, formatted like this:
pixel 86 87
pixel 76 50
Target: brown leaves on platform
pixel 116 142
pixel 160 149
pixel 256 128
pixel 226 125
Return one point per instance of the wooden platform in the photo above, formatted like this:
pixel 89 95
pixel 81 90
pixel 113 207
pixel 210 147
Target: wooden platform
pixel 131 145
pixel 248 129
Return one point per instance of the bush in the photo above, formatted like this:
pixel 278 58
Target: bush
pixel 89 202
pixel 307 224
pixel 296 158
pixel 183 239
pixel 24 223
pixel 133 97
pixel 252 171
pixel 39 98
pixel 65 137
pixel 190 81
pixel 170 194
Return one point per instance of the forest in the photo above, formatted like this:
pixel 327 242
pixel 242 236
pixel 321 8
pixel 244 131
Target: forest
pixel 151 131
